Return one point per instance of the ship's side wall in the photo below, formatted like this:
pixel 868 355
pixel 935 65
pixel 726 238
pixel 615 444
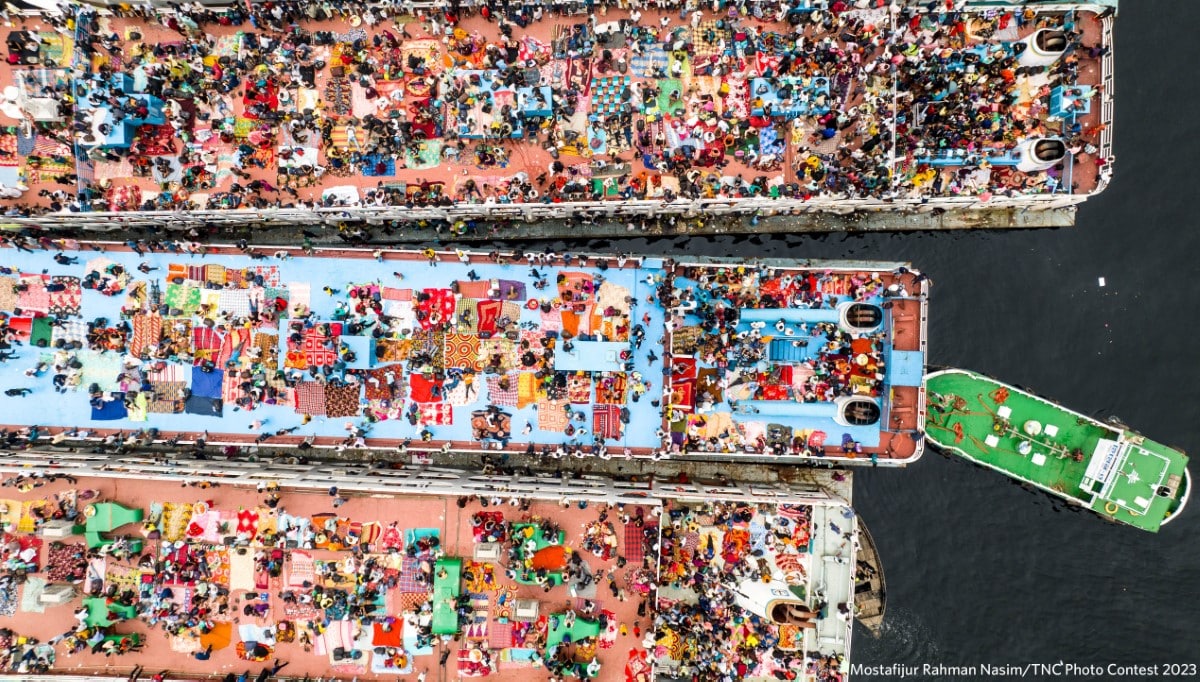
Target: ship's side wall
pixel 409 480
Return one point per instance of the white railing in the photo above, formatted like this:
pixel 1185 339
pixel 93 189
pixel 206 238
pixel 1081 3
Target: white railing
pixel 1107 101
pixel 117 220
pixel 436 481
pixel 922 407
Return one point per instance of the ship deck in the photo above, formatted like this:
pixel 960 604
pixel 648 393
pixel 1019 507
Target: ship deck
pixel 1042 443
pixel 601 356
pixel 408 113
pixel 231 567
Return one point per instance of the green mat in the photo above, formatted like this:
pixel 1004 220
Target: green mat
pixel 183 297
pixel 447 585
pixel 427 155
pixel 579 631
pixel 31 595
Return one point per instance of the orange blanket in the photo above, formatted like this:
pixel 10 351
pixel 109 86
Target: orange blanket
pixel 552 558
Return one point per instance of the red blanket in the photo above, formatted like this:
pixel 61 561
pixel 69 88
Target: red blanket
pixel 489 313
pixel 392 637
pixel 268 95
pixel 606 421
pixel 437 308
pixel 422 389
pixel 155 140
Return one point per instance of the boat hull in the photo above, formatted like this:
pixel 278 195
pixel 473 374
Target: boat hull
pixel 1110 470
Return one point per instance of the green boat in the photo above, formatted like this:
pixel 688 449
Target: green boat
pixel 1106 468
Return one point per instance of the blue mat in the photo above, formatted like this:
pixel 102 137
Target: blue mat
pixel 371 161
pixel 645 64
pixel 207 384
pixel 112 410
pixel 25 145
pixel 204 407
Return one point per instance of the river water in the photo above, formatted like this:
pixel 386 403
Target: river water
pixel 981 571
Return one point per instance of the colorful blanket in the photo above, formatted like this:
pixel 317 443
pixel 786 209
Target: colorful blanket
pixel 341 400
pixel 606 421
pixel 436 414
pixel 310 398
pixel 551 415
pixel 503 389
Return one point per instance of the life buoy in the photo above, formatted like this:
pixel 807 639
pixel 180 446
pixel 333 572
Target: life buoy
pixel 730 140
pixel 532 304
pixel 710 136
pixel 1111 508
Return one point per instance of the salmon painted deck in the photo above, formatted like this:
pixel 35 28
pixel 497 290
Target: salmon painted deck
pixel 203 568
pixel 178 117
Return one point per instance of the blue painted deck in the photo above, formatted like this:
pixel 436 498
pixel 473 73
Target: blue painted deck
pixel 299 279
pixel 906 367
pixel 453 352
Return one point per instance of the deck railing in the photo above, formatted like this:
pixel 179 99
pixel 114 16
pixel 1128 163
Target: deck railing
pixel 408 479
pixel 1107 100
pixel 922 405
pixel 104 221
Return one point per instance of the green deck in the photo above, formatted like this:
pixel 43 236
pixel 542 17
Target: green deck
pixel 966 417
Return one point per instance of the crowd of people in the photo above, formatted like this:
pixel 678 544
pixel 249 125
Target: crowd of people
pixel 712 637
pixel 639 601
pixel 723 367
pixel 504 102
pixel 297 578
pixel 397 353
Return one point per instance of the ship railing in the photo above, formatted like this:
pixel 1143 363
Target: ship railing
pixel 108 221
pixel 162 6
pixel 407 6
pixel 409 479
pixel 924 340
pixel 1107 99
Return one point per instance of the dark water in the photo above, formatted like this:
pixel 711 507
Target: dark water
pixel 980 570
